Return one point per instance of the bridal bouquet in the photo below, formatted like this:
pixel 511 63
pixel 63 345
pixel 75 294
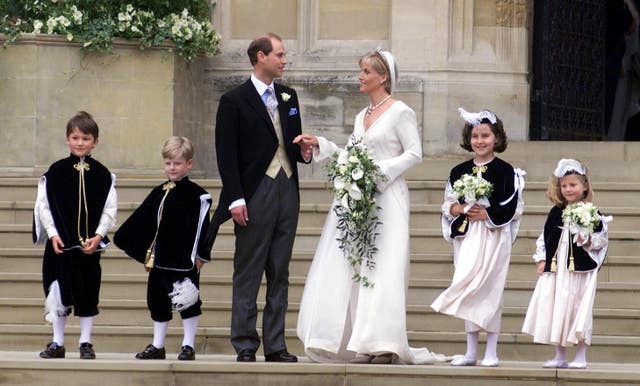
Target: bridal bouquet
pixel 353 175
pixel 582 218
pixel 474 189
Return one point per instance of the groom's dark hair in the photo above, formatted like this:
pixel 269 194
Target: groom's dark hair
pixel 261 43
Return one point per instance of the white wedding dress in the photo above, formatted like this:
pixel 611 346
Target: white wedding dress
pixel 338 318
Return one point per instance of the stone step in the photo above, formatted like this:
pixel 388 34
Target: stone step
pixel 217 288
pixel 423 265
pixel 213 340
pixel 623 243
pixel 133 312
pixel 117 369
pixel 423 191
pixel 314 215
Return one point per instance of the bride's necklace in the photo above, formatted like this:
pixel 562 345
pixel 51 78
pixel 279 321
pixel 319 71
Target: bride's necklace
pixel 372 108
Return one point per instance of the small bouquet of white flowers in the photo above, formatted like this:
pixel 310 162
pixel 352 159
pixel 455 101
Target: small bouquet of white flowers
pixel 353 175
pixel 474 189
pixel 582 219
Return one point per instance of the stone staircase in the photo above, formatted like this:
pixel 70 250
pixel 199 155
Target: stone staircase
pixel 124 325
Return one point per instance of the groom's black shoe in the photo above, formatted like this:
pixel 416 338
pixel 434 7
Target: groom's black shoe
pixel 280 356
pixel 246 356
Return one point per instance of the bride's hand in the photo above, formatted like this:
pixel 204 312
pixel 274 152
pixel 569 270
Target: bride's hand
pixel 306 140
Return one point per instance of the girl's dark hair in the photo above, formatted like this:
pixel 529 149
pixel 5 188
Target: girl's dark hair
pixel 84 122
pixel 496 128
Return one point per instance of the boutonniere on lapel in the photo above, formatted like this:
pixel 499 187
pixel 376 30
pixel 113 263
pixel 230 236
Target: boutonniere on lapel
pixel 285 97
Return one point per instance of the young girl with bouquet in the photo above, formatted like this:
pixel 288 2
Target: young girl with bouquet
pixel 480 217
pixel 569 253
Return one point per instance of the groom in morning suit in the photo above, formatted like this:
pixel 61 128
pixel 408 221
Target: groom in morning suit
pixel 257 160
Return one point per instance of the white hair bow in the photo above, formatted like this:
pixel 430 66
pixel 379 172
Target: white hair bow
pixel 474 119
pixel 566 165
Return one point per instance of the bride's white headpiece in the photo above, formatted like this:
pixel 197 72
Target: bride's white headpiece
pixel 393 70
pixel 567 165
pixel 474 119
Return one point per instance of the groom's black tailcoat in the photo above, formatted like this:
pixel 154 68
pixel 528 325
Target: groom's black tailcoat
pixel 246 143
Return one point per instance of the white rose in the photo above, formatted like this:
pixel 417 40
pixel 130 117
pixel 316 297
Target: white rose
pixel 338 184
pixel 37 25
pixel 357 174
pixel 354 160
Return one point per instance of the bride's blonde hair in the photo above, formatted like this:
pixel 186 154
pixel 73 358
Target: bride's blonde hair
pixel 380 65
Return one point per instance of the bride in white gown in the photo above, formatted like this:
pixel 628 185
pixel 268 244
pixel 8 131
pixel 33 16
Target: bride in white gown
pixel 340 320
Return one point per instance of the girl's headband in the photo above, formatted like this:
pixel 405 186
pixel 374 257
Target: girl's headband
pixel 567 165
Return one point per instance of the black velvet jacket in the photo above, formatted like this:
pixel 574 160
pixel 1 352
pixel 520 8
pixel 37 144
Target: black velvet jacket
pixel 501 175
pixel 185 218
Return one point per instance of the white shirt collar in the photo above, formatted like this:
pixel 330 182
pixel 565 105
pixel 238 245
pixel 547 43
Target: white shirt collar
pixel 260 86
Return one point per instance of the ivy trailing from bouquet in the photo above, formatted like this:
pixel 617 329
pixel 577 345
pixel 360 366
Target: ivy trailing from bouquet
pixel 353 175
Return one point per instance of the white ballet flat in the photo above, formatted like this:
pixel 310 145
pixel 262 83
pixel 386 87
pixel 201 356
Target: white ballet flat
pixel 555 364
pixel 463 362
pixel 490 362
pixel 577 365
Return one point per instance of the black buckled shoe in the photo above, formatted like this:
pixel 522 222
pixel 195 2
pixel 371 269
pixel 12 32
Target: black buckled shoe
pixel 187 353
pixel 53 351
pixel 280 356
pixel 151 352
pixel 86 351
pixel 246 356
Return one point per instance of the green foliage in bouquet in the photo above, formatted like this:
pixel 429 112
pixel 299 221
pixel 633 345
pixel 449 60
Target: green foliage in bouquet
pixel 353 175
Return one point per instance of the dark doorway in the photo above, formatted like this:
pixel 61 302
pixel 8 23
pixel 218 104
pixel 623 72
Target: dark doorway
pixel 568 89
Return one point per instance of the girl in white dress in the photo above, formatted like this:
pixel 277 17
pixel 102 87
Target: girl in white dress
pixel 561 308
pixel 339 319
pixel 481 232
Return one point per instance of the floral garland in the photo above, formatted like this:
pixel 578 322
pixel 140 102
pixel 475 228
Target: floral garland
pixel 353 175
pixel 95 24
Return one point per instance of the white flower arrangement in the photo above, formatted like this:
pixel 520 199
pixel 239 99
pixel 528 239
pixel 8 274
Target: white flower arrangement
pixel 582 218
pixel 95 24
pixel 473 189
pixel 353 175
pixel 285 97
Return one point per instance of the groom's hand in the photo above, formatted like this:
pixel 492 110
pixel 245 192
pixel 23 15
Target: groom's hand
pixel 240 215
pixel 306 143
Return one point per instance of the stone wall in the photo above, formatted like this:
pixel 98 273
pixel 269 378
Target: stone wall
pixel 138 99
pixel 450 53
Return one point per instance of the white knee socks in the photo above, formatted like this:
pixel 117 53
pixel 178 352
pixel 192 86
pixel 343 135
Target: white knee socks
pixel 491 352
pixel 86 326
pixel 581 353
pixel 472 345
pixel 159 333
pixel 190 326
pixel 59 325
